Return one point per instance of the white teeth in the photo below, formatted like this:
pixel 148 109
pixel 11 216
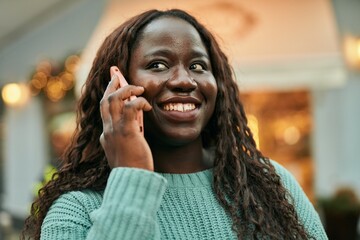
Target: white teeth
pixel 179 107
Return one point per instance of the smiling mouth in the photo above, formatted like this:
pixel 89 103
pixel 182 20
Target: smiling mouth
pixel 179 107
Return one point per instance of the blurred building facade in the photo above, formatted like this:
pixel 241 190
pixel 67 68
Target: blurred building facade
pixel 280 50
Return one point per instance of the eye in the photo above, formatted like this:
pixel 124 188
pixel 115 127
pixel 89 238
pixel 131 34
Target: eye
pixel 158 66
pixel 197 67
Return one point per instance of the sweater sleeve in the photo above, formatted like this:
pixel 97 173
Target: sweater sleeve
pixel 128 210
pixel 306 212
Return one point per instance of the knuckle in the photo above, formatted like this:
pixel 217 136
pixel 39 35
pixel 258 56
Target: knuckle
pixel 129 104
pixel 106 135
pixel 129 107
pixel 111 97
pixel 102 102
pixel 102 140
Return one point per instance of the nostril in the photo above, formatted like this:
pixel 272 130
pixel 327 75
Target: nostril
pixel 183 89
pixel 182 84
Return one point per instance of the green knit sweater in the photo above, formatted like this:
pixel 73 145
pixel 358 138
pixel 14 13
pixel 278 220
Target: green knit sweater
pixel 139 204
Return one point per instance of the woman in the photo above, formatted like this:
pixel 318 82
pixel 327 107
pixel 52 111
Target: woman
pixel 196 174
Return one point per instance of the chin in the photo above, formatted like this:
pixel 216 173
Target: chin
pixel 176 138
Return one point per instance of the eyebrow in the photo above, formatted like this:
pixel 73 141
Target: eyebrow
pixel 167 52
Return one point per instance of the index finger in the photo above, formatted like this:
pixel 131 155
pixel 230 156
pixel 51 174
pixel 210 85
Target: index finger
pixel 113 85
pixel 115 71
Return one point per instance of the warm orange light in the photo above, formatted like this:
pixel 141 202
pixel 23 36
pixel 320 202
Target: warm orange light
pixel 291 135
pixel 254 126
pixel 15 94
pixel 352 51
pixel 67 80
pixel 54 89
pixel 71 63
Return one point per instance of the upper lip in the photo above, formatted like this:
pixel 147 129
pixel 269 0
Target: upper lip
pixel 177 99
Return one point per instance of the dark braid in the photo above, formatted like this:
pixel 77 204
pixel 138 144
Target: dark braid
pixel 245 182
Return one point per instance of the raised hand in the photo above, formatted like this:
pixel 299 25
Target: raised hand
pixel 122 141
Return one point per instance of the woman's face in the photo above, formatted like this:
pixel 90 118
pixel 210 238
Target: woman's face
pixel 171 62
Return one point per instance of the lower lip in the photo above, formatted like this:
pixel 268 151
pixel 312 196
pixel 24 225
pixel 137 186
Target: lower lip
pixel 177 116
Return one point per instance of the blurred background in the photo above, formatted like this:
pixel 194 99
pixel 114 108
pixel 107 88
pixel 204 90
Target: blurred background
pixel 297 64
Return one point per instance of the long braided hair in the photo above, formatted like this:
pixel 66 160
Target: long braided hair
pixel 244 181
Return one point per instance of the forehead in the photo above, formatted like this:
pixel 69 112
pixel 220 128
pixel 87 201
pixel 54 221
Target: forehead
pixel 170 29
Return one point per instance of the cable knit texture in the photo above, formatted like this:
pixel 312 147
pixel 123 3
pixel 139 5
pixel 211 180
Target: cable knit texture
pixel 139 204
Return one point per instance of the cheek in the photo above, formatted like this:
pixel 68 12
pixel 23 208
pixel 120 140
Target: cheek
pixel 151 84
pixel 210 90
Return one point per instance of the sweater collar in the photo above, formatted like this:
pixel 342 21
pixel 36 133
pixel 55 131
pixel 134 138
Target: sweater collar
pixel 197 179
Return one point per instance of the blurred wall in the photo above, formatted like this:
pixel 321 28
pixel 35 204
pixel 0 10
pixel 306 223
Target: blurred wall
pixel 337 117
pixel 64 32
pixel 271 44
pixel 336 96
pixel 26 147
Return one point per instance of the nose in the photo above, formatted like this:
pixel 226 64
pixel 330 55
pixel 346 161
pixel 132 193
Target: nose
pixel 181 81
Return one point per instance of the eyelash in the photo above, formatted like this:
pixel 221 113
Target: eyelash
pixel 153 64
pixel 153 67
pixel 203 67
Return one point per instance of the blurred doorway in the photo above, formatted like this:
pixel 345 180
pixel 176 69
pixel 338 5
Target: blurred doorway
pixel 282 126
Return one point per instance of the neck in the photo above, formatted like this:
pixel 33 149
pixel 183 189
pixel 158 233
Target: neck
pixel 187 158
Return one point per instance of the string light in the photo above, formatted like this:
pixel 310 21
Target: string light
pixel 291 135
pixel 15 94
pixel 352 51
pixel 54 83
pixel 47 79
